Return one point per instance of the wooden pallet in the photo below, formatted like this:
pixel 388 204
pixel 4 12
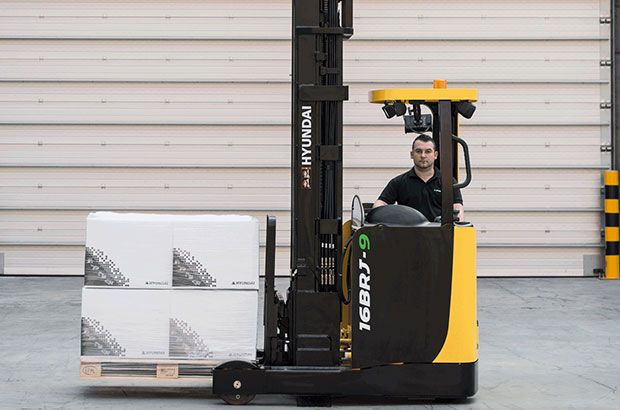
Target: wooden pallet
pixel 164 370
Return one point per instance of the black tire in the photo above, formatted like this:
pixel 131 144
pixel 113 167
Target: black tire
pixel 237 399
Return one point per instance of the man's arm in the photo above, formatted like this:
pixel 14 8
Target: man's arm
pixel 388 195
pixel 379 203
pixel 459 207
pixel 458 203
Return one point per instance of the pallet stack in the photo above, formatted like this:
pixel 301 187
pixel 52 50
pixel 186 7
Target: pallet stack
pixel 166 294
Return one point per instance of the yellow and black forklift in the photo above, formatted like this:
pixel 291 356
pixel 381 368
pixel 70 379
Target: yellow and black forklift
pixel 383 304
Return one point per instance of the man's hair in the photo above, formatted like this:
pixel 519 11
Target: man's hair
pixel 424 138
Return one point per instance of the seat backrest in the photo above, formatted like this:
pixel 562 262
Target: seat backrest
pixel 396 215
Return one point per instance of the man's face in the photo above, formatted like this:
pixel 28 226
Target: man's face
pixel 423 154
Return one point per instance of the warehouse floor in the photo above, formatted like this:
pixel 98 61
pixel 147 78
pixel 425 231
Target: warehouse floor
pixel 544 343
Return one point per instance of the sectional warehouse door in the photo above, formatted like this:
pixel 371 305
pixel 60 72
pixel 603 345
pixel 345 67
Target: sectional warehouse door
pixel 183 106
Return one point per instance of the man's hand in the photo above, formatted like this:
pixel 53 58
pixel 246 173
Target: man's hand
pixel 459 207
pixel 379 203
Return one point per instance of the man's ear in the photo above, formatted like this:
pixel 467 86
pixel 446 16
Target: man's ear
pixel 436 154
pixel 411 154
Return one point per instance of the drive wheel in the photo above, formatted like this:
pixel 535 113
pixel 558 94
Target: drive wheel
pixel 237 399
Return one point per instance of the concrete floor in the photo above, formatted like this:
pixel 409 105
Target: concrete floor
pixel 544 343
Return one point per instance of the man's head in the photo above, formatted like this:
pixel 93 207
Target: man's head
pixel 424 152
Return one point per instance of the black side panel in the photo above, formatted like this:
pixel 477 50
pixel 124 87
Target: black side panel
pixel 447 380
pixel 317 338
pixel 407 272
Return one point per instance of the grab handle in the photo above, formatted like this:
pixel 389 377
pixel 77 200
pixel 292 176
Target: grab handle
pixel 467 181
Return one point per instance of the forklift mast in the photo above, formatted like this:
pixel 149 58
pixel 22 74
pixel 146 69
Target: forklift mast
pixel 319 28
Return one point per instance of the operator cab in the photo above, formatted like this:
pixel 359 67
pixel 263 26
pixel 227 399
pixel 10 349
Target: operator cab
pixel 423 273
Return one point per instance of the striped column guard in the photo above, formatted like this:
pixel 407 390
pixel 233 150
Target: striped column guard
pixel 612 229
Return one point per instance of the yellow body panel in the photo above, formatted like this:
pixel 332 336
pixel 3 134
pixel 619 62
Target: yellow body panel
pixel 422 94
pixel 461 344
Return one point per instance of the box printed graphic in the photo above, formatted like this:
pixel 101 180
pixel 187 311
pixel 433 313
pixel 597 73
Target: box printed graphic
pixel 125 323
pixel 151 250
pixel 121 323
pixel 213 324
pixel 128 253
pixel 216 251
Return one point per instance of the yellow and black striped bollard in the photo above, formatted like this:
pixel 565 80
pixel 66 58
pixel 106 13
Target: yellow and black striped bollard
pixel 612 230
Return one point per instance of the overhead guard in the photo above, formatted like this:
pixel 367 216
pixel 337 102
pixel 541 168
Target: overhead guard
pixel 408 95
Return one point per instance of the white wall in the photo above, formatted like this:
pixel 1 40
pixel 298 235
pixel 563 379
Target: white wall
pixel 183 106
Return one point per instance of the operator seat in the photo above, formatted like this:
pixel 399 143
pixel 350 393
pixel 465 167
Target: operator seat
pixel 396 215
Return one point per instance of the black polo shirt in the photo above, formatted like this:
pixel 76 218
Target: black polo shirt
pixel 410 190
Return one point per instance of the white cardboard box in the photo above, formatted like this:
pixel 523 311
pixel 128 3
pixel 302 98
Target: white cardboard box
pixel 120 323
pixel 125 323
pixel 216 251
pixel 157 250
pixel 129 253
pixel 213 324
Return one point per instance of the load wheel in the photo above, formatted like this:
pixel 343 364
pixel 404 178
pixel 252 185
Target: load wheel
pixel 237 399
